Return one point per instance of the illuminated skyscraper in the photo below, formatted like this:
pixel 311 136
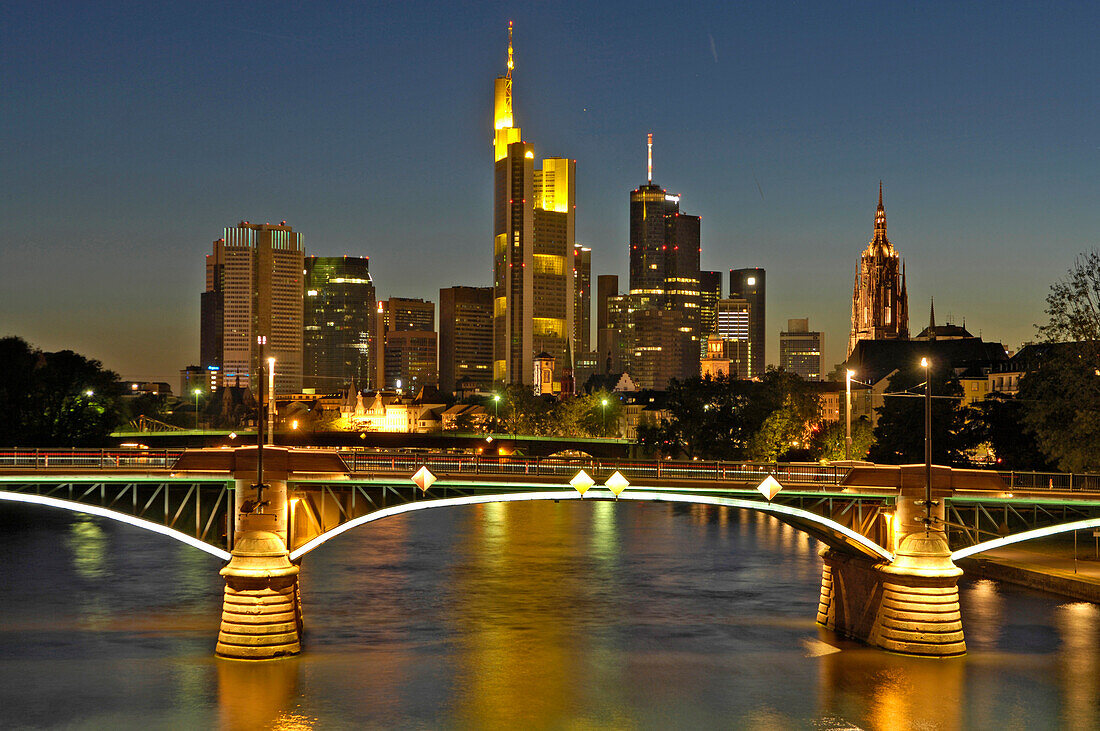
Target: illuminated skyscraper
pixel 880 304
pixel 533 247
pixel 582 299
pixel 254 288
pixel 751 286
pixel 338 346
pixel 664 275
pixel 406 337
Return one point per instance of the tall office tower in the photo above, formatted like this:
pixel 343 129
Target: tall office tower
pixel 582 299
pixel 338 347
pixel 800 349
pixel 880 303
pixel 750 285
pixel 664 272
pixel 409 360
pixel 710 291
pixel 533 229
pixel 415 318
pixel 651 343
pixel 253 289
pixel 465 338
pixel 607 286
pixel 734 321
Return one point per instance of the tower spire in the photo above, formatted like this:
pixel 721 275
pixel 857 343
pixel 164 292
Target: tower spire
pixel 511 63
pixel 880 216
pixel 649 167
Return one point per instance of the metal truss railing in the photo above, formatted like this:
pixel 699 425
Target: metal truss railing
pixel 972 520
pixel 198 509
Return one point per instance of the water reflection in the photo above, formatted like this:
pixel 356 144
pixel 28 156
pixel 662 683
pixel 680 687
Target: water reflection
pixel 255 695
pixel 1080 669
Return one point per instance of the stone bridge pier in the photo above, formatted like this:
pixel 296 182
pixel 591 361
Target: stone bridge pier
pixel 911 604
pixel 262 605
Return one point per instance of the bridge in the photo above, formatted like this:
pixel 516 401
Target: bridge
pixel 888 579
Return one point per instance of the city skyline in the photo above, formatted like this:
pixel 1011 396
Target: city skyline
pixel 138 136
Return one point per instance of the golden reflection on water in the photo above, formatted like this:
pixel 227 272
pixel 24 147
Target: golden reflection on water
pixel 518 664
pixel 893 691
pixel 88 544
pixel 986 606
pixel 1080 670
pixel 254 695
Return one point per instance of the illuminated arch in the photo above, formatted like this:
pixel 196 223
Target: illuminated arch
pixel 76 507
pixel 1025 536
pixel 820 527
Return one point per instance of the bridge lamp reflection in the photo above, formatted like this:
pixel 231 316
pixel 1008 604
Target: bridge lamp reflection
pixel 581 482
pixel 769 487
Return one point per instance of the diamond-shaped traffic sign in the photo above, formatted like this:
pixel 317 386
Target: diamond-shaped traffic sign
pixel 769 488
pixel 423 478
pixel 581 482
pixel 617 483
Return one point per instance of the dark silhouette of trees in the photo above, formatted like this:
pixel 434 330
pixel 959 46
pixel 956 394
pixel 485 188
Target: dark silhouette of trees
pixel 57 399
pixel 899 434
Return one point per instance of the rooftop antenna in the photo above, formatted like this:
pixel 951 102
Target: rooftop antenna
pixel 511 64
pixel 649 167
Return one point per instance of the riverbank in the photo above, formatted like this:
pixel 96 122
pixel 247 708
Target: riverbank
pixel 1050 567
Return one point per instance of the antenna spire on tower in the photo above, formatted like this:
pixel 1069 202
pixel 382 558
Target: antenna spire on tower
pixel 511 64
pixel 649 168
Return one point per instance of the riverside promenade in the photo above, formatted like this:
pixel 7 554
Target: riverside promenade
pixel 1048 566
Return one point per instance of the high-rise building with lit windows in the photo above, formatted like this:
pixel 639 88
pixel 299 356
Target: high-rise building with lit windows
pixel 800 349
pixel 338 342
pixel 465 338
pixel 254 289
pixel 582 299
pixel 664 275
pixel 751 285
pixel 533 247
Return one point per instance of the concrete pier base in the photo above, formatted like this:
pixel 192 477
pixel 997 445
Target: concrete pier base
pixel 909 606
pixel 261 617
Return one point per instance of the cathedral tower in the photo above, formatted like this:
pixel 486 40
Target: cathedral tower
pixel 880 304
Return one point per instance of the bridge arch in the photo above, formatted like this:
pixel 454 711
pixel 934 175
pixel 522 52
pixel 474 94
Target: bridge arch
pixel 824 529
pixel 148 525
pixel 1027 535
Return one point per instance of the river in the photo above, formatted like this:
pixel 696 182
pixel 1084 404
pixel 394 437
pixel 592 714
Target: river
pixel 524 615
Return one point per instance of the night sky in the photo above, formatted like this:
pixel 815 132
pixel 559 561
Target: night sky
pixel 133 133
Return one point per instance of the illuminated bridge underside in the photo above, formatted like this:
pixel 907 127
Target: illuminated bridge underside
pixel 324 510
pixel 191 511
pixel 976 524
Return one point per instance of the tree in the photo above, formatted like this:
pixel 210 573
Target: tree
pixel 781 434
pixel 899 435
pixel 827 439
pixel 998 421
pixel 1062 393
pixel 55 399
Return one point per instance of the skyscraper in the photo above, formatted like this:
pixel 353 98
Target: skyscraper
pixel 750 285
pixel 338 342
pixel 465 337
pixel 406 337
pixel 664 275
pixel 254 289
pixel 800 349
pixel 880 303
pixel 533 229
pixel 710 291
pixel 734 328
pixel 582 299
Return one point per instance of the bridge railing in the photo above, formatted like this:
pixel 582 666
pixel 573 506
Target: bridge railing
pixel 89 459
pixel 475 464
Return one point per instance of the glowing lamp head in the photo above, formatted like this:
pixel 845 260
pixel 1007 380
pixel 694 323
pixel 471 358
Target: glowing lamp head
pixel 851 373
pixel 89 393
pixel 924 362
pixel 603 402
pixel 751 281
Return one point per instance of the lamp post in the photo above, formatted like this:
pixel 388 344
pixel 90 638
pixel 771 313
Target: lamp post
pixel 271 401
pixel 496 411
pixel 261 340
pixel 925 364
pixel 848 415
pixel 195 392
pixel 603 405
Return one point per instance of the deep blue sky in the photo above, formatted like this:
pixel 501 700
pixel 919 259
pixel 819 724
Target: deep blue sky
pixel 132 133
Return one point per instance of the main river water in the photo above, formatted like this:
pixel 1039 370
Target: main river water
pixel 536 615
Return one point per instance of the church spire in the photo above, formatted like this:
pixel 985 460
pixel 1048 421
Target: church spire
pixel 880 215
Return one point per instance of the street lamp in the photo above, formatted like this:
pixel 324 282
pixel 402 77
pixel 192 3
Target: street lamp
pixel 271 401
pixel 848 415
pixel 603 405
pixel 926 365
pixel 196 393
pixel 89 393
pixel 496 410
